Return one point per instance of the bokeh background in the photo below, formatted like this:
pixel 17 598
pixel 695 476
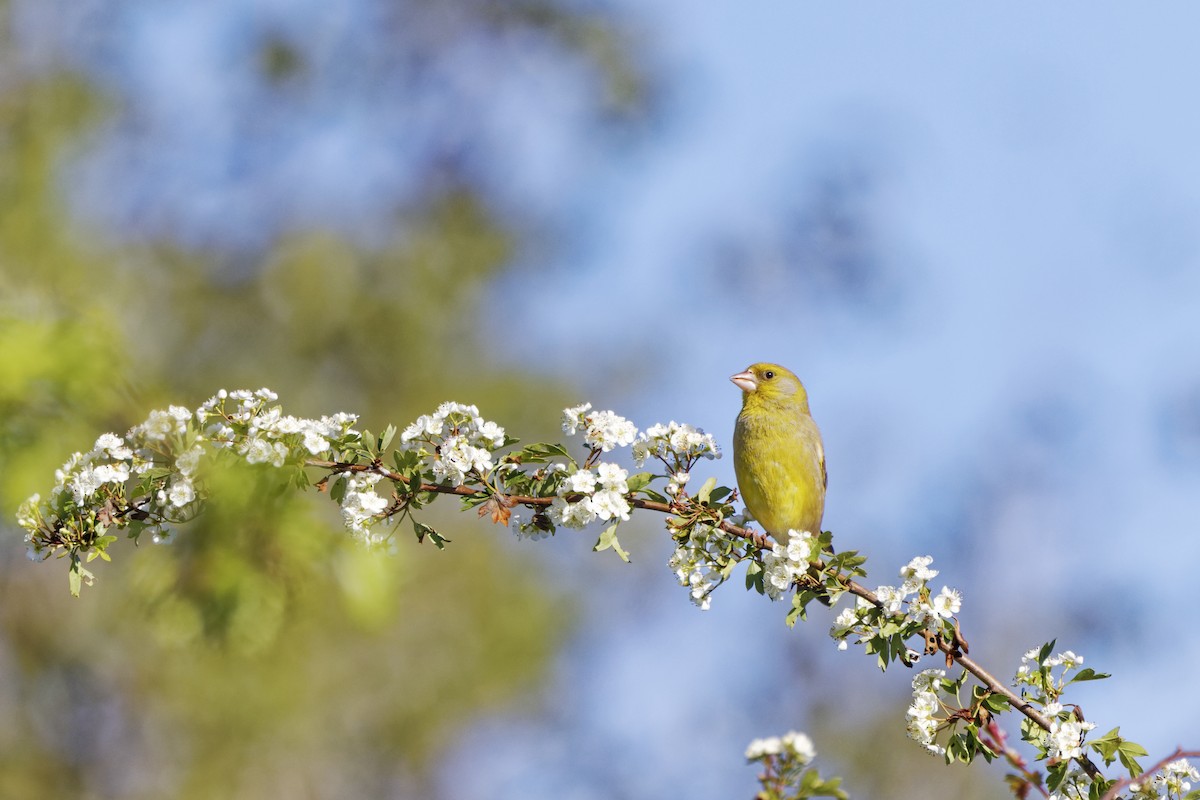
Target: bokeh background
pixel 972 231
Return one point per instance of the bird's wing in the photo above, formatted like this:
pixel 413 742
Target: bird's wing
pixel 821 458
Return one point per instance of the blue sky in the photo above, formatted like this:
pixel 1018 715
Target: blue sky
pixel 1024 404
pixel 1014 388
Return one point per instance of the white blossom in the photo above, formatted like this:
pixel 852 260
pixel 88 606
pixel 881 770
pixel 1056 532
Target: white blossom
pixel 612 477
pixel 695 568
pixel 760 748
pixel 457 458
pixel 891 598
pixel 113 446
pixel 573 418
pixel 947 603
pixel 917 572
pixel 782 565
pixel 361 505
pixel 262 451
pixel 921 718
pixel 188 461
pixel 84 483
pixel 674 442
pixel 582 481
pixel 800 745
pixel 610 504
pixel 29 513
pixel 1177 776
pixel 603 430
pixel 843 625
pixel 181 493
pixel 1066 658
pixel 571 515
pixel 795 744
pixel 1065 739
pixel 314 442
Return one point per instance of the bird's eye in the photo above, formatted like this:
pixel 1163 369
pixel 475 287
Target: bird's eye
pixel 769 374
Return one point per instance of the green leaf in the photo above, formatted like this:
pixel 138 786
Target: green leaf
pixel 812 785
pixel 1056 773
pixel 706 489
pixel 1044 653
pixel 405 460
pixel 720 493
pixel 1089 674
pixel 385 438
pixel 1129 752
pixel 996 703
pixel 422 530
pixel 74 579
pixel 541 452
pixel 639 481
pixel 609 539
pixel 473 500
pixel 78 575
pixel 800 601
pixel 655 496
pixel 754 577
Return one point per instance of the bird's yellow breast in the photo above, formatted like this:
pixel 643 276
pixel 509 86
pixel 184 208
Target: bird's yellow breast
pixel 780 466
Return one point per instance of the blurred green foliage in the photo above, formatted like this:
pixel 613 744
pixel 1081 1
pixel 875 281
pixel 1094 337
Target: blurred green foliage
pixel 262 653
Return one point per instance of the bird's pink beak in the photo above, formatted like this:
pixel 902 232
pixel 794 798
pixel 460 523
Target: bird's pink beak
pixel 745 381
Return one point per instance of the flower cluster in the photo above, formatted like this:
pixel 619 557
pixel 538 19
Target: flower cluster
pixel 696 564
pixel 1174 780
pixel 1065 738
pixel 602 430
pixel 1037 679
pixel 1036 665
pixel 922 720
pixel 785 771
pixel 262 433
pixel 460 442
pixel 911 604
pixel 784 564
pixel 362 505
pixel 602 491
pixel 677 445
pixel 794 744
pixel 150 477
pixel 589 494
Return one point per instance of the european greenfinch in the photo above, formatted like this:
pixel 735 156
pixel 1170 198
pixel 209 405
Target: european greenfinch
pixel 777 452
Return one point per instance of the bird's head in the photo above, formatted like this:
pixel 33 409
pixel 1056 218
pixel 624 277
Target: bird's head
pixel 771 382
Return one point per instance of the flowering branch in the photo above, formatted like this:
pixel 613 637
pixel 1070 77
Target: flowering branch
pixel 152 480
pixel 1172 782
pixel 785 774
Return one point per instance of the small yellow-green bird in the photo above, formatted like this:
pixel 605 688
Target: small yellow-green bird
pixel 777 452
